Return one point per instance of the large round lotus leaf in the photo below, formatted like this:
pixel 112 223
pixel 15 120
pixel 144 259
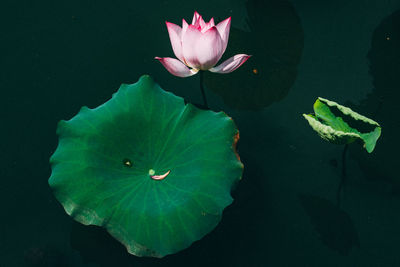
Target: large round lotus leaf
pixel 108 166
pixel 341 125
pixel 275 41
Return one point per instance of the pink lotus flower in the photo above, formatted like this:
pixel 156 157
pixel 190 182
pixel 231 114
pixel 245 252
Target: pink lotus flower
pixel 199 46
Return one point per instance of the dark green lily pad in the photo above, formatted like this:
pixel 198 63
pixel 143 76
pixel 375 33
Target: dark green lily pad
pixel 107 157
pixel 332 122
pixel 275 41
pixel 382 102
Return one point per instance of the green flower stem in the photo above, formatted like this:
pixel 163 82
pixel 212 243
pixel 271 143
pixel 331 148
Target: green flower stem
pixel 202 88
pixel 344 175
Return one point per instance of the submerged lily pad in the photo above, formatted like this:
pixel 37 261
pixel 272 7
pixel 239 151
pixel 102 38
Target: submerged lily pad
pixel 382 102
pixel 334 123
pixel 275 41
pixel 334 226
pixel 154 172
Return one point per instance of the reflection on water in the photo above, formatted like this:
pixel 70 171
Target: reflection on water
pixel 335 227
pixel 276 42
pixel 382 104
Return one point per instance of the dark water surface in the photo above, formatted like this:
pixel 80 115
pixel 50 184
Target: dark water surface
pixel 60 55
